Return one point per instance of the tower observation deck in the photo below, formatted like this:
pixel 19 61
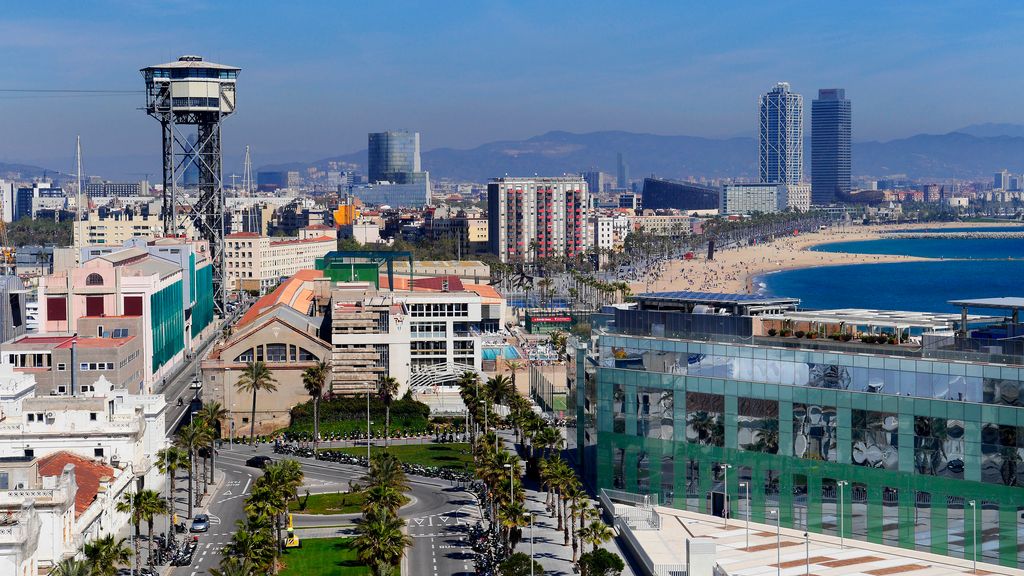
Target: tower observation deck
pixel 191 97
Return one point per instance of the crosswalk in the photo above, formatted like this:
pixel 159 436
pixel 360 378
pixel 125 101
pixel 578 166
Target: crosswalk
pixel 459 517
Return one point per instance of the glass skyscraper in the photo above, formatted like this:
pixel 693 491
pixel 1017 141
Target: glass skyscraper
pixel 394 156
pixel 781 136
pixel 830 146
pixel 915 441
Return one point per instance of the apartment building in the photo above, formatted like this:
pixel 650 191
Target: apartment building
pixel 536 218
pixel 258 263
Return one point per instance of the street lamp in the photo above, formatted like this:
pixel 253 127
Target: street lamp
pixel 725 513
pixel 807 554
pixel 746 486
pixel 974 532
pixel 842 511
pixel 530 516
pixel 511 484
pixel 778 540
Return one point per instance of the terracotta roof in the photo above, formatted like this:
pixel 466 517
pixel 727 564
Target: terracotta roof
pixel 484 291
pixel 87 475
pixel 431 284
pixel 42 339
pixel 243 235
pixel 289 292
pixel 98 342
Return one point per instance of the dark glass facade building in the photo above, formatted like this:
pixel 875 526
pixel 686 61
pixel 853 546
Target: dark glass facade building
pixel 890 444
pixel 661 194
pixel 393 156
pixel 830 146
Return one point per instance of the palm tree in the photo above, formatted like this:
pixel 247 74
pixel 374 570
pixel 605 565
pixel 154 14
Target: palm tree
pixel 513 367
pixel 150 506
pixel 233 566
pixel 190 438
pixel 252 543
pixel 104 555
pixel 386 470
pixel 381 543
pixel 132 505
pixel 315 379
pixel 169 461
pixel 499 387
pixel 255 378
pixel 512 516
pixel 387 389
pixel 71 567
pixel 597 533
pixel 214 414
pixel 385 497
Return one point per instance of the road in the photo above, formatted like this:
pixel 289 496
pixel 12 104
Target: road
pixel 438 514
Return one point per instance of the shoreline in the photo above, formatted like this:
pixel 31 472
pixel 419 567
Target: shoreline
pixel 736 270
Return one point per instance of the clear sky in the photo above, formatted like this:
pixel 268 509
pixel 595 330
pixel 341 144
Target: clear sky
pixel 317 76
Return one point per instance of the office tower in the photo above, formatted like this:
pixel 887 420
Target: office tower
pixel 623 173
pixel 597 181
pixel 1001 181
pixel 536 218
pixel 781 136
pixel 830 146
pixel 393 156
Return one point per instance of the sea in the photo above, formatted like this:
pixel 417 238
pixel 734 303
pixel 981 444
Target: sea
pixel 968 268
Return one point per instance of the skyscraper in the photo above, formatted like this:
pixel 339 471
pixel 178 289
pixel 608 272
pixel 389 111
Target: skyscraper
pixel 393 156
pixel 830 146
pixel 781 136
pixel 623 173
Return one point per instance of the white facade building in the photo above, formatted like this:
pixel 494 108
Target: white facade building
pixel 257 262
pixel 764 198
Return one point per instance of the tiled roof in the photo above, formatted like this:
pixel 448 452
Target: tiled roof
pixel 98 342
pixel 87 475
pixel 292 292
pixel 243 235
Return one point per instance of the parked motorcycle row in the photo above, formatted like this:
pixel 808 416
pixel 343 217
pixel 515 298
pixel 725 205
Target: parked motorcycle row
pixel 441 437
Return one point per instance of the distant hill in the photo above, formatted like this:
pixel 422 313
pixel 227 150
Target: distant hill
pixel 939 156
pixel 13 170
pixel 993 129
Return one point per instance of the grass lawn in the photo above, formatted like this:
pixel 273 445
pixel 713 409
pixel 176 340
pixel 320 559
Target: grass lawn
pixel 323 557
pixel 456 455
pixel 332 503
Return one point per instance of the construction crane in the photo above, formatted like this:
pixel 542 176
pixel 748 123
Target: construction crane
pixel 7 264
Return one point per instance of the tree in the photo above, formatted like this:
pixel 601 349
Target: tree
pixel 518 564
pixel 104 555
pixel 381 543
pixel 387 389
pixel 169 461
pixel 513 367
pixel 255 378
pixel 150 505
pixel 601 562
pixel 191 437
pixel 214 414
pixel 596 533
pixel 131 504
pixel 314 379
pixel 499 388
pixel 71 567
pixel 252 543
pixel 233 566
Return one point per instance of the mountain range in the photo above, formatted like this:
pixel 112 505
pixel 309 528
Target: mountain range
pixel 971 152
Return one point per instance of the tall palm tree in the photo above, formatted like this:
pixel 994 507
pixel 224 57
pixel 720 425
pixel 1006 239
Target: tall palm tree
pixel 190 438
pixel 255 378
pixel 499 387
pixel 381 543
pixel 132 505
pixel 513 366
pixel 233 566
pixel 252 543
pixel 597 533
pixel 103 555
pixel 387 389
pixel 150 506
pixel 214 414
pixel 314 379
pixel 204 448
pixel 169 461
pixel 386 470
pixel 71 567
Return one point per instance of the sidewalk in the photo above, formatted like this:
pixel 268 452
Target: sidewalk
pixel 548 547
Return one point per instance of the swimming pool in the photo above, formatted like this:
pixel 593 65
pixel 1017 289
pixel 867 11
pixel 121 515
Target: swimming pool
pixel 495 352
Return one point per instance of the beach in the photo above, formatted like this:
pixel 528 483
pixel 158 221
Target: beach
pixel 733 270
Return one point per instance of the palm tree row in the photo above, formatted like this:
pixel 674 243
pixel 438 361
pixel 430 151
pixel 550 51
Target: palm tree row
pixel 566 500
pixel 256 544
pixel 196 439
pixel 381 539
pixel 101 557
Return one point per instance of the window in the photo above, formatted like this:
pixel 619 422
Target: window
pixel 62 389
pixel 30 453
pixel 4 481
pixel 94 305
pixel 99 331
pixel 56 309
pixel 31 417
pixel 97 452
pixel 277 353
pixel 92 416
pixel 306 356
pixel 244 356
pixel 61 367
pixel 94 279
pixel 132 306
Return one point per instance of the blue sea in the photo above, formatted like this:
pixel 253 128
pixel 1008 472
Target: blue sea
pixel 975 268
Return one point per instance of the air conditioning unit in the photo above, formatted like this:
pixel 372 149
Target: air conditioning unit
pixel 49 415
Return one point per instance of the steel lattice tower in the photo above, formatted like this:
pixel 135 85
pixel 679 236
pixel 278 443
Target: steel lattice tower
pixel 181 94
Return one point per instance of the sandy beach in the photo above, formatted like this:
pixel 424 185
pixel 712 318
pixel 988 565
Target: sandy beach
pixel 733 270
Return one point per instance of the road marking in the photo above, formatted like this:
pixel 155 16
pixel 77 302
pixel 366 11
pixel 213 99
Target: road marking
pixel 246 489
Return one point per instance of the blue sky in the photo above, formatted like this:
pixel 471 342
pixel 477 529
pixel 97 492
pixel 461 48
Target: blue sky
pixel 317 76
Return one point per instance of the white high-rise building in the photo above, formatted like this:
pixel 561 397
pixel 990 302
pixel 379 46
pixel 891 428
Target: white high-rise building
pixel 781 136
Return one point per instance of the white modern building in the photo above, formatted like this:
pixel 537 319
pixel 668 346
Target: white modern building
pixel 764 198
pixel 255 262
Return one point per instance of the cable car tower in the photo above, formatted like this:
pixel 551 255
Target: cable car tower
pixel 184 94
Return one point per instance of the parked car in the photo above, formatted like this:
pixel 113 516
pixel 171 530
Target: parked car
pixel 258 461
pixel 201 523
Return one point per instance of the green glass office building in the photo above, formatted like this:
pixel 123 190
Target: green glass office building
pixel 916 441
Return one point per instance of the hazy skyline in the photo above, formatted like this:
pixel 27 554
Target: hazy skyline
pixel 317 77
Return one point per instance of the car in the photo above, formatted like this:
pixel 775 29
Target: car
pixel 201 523
pixel 258 461
pixel 196 384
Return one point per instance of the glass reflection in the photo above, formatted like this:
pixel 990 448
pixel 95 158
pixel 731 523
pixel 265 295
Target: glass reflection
pixel 758 425
pixel 875 439
pixel 939 447
pixel 1002 454
pixel 814 432
pixel 705 424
